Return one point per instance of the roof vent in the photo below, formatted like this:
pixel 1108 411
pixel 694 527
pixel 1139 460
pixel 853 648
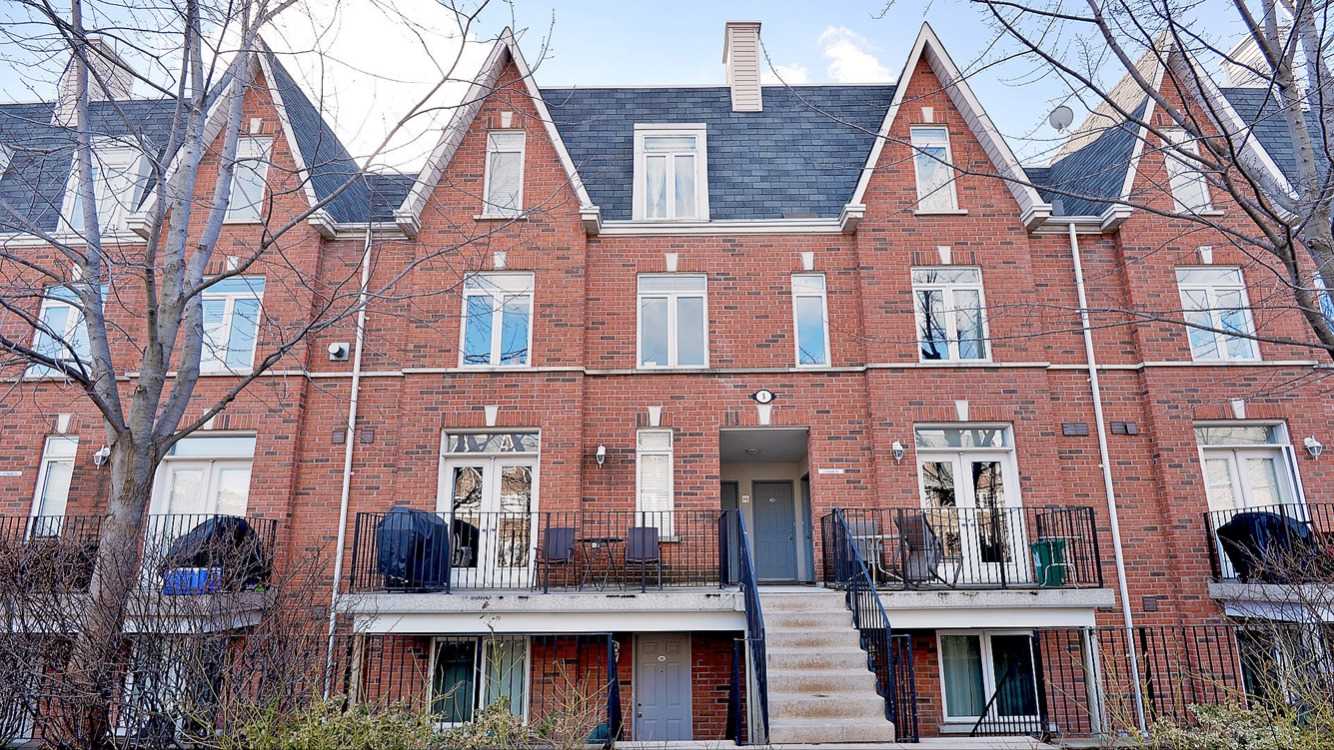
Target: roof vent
pixel 741 56
pixel 109 78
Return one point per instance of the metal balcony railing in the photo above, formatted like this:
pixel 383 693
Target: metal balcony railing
pixel 418 551
pixel 204 553
pixel 1286 543
pixel 48 553
pixel 971 548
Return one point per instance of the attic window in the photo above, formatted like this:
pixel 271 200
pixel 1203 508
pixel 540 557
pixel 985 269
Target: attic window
pixel 246 203
pixel 671 173
pixel 118 172
pixel 1190 189
pixel 504 173
pixel 933 165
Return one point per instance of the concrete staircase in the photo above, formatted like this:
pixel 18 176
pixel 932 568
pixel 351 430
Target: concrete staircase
pixel 820 690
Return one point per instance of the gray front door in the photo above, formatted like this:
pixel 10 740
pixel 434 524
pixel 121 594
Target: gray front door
pixel 662 687
pixel 775 517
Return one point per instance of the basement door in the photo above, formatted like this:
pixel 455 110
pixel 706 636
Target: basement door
pixel 662 687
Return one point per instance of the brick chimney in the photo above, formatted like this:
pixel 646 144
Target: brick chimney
pixel 741 57
pixel 108 78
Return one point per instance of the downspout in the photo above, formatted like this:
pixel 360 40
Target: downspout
pixel 1107 485
pixel 349 440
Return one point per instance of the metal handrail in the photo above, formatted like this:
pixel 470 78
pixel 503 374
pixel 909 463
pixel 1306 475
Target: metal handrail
pixel 754 628
pixel 868 614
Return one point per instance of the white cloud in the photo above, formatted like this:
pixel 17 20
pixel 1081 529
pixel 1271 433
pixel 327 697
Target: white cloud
pixel 792 75
pixel 850 58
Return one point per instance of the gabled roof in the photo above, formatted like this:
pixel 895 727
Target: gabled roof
pixel 1095 170
pixel 798 157
pixel 504 51
pixel 1259 109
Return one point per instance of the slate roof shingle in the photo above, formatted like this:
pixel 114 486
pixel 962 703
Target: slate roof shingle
pixel 800 156
pixel 1097 170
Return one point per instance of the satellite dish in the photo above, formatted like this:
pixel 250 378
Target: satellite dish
pixel 1061 117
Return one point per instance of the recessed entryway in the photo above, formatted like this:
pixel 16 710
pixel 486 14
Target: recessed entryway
pixel 765 474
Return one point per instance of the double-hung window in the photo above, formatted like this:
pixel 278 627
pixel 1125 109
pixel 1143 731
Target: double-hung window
pixel 1217 314
pixel 1190 189
pixel 951 319
pixel 933 165
pixel 671 182
pixel 248 179
pixel 497 313
pixel 810 320
pixel 231 324
pixel 654 498
pixel 118 180
pixel 673 320
pixel 503 181
pixel 53 483
pixel 62 333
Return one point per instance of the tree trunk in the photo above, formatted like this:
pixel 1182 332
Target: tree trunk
pixel 99 645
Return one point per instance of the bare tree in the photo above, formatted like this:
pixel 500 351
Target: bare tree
pixel 138 331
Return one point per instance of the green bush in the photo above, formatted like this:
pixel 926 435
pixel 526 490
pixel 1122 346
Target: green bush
pixel 332 725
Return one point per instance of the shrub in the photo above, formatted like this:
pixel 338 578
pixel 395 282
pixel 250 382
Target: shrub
pixel 326 725
pixel 1235 727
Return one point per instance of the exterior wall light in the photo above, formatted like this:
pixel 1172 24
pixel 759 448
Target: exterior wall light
pixel 899 451
pixel 601 455
pixel 1313 446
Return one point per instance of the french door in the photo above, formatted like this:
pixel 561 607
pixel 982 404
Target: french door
pixel 188 492
pixel 1240 479
pixel 490 504
pixel 971 501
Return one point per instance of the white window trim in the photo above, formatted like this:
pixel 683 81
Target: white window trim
pixel 1010 462
pixel 824 311
pixel 104 150
pixel 649 130
pixel 1214 311
pixel 265 156
pixel 489 209
pixel 1178 149
pixel 670 453
pixel 502 284
pixel 479 669
pixel 672 297
pixel 951 329
pixel 42 472
pixel 988 670
pixel 72 322
pixel 208 365
pixel 952 185
pixel 1283 445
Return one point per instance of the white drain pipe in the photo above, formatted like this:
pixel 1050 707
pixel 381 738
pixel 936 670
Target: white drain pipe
pixel 349 439
pixel 1105 457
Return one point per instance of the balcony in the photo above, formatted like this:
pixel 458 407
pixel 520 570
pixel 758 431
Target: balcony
pixel 203 553
pixel 971 548
pixel 1272 561
pixel 48 554
pixel 406 551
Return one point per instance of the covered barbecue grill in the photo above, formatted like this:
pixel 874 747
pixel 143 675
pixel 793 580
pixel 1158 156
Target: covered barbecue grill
pixel 412 550
pixel 1263 546
pixel 228 551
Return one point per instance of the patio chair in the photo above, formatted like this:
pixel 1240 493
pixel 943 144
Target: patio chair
pixel 643 548
pixel 924 551
pixel 557 549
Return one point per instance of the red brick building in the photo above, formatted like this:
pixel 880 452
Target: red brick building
pixel 659 345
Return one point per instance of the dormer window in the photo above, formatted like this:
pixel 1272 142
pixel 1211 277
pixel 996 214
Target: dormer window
pixel 671 173
pixel 933 165
pixel 504 173
pixel 246 204
pixel 118 172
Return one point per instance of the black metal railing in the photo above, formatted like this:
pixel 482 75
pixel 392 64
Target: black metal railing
pixel 547 551
pixel 1285 543
pixel 1017 706
pixel 48 553
pixel 971 548
pixel 759 669
pixel 852 574
pixel 205 553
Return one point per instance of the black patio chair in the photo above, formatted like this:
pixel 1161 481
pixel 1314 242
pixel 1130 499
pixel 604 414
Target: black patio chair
pixel 557 549
pixel 643 548
pixel 924 551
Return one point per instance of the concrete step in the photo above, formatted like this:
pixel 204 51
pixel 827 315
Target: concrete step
pixel 797 640
pixel 823 731
pixel 806 620
pixel 815 600
pixel 840 705
pixel 856 679
pixel 836 659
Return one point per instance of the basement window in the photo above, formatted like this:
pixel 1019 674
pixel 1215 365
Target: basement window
pixel 671 174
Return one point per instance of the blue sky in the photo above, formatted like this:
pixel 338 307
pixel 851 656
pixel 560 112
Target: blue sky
pixel 373 64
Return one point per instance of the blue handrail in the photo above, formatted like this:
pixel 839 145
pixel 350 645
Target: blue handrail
pixel 754 627
pixel 868 616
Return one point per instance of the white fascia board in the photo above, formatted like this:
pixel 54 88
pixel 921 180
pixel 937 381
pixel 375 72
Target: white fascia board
pixel 505 49
pixel 610 620
pixel 1137 152
pixel 979 122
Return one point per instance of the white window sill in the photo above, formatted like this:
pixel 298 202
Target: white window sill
pixel 495 368
pixel 669 222
pixel 1210 213
pixel 956 362
pixel 214 373
pixel 824 366
pixel 949 212
pixel 500 217
pixel 242 222
pixel 1237 361
pixel 671 368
